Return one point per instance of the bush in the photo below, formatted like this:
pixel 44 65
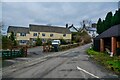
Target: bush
pixel 65 47
pixel 63 41
pixel 87 39
pixel 92 52
pixel 73 42
pixel 49 42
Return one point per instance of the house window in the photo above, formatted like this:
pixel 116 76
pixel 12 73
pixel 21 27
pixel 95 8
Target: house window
pixel 22 41
pixel 43 40
pixel 35 34
pixel 64 35
pixel 51 35
pixel 22 34
pixel 43 34
pixel 34 39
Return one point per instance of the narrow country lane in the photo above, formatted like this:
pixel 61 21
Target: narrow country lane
pixel 73 63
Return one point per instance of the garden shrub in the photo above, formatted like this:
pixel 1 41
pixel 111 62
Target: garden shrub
pixel 49 42
pixel 63 41
pixel 38 42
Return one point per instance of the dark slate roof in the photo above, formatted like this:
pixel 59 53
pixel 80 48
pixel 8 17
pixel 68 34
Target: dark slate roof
pixel 17 29
pixel 47 28
pixel 113 31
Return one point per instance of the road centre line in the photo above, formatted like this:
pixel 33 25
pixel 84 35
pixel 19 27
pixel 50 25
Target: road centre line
pixel 87 72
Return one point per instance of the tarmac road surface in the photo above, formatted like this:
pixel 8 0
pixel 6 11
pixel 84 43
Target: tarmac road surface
pixel 73 63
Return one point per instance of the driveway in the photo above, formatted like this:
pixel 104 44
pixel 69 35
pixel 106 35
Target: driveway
pixel 33 53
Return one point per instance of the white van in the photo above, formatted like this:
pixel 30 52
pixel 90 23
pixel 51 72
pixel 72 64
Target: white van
pixel 56 42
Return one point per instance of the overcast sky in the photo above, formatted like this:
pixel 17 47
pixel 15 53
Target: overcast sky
pixel 59 0
pixel 55 13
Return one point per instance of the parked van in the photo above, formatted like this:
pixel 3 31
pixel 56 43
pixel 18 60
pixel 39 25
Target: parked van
pixel 57 42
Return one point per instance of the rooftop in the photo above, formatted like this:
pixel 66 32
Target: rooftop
pixel 17 29
pixel 47 28
pixel 113 31
pixel 38 28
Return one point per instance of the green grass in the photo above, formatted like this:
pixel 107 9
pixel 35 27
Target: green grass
pixel 112 63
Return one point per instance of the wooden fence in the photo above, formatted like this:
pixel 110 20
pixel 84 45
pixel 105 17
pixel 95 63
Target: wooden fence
pixel 14 53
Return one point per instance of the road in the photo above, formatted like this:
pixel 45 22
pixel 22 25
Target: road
pixel 73 63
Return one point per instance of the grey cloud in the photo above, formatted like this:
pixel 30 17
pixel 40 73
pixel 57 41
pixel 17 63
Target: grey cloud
pixel 54 13
pixel 60 0
pixel 0 12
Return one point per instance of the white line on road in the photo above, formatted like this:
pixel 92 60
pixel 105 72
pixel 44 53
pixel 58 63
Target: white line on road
pixel 36 62
pixel 66 53
pixel 87 72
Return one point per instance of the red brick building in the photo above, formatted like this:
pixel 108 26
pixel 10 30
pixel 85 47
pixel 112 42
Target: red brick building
pixel 108 39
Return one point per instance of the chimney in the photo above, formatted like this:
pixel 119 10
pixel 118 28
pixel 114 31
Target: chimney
pixel 72 25
pixel 66 25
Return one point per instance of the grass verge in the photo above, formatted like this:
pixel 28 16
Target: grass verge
pixel 112 63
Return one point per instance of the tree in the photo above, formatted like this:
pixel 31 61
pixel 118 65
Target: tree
pixel 12 38
pixel 107 22
pixel 76 37
pixel 116 18
pixel 103 26
pixel 113 21
pixel 6 42
pixel 110 20
pixel 99 26
pixel 85 24
pixel 38 42
pixel 119 16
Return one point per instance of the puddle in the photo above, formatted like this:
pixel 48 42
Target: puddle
pixel 71 62
pixel 75 59
pixel 80 59
pixel 68 70
pixel 77 52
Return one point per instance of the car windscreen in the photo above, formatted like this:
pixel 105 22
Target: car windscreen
pixel 55 42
